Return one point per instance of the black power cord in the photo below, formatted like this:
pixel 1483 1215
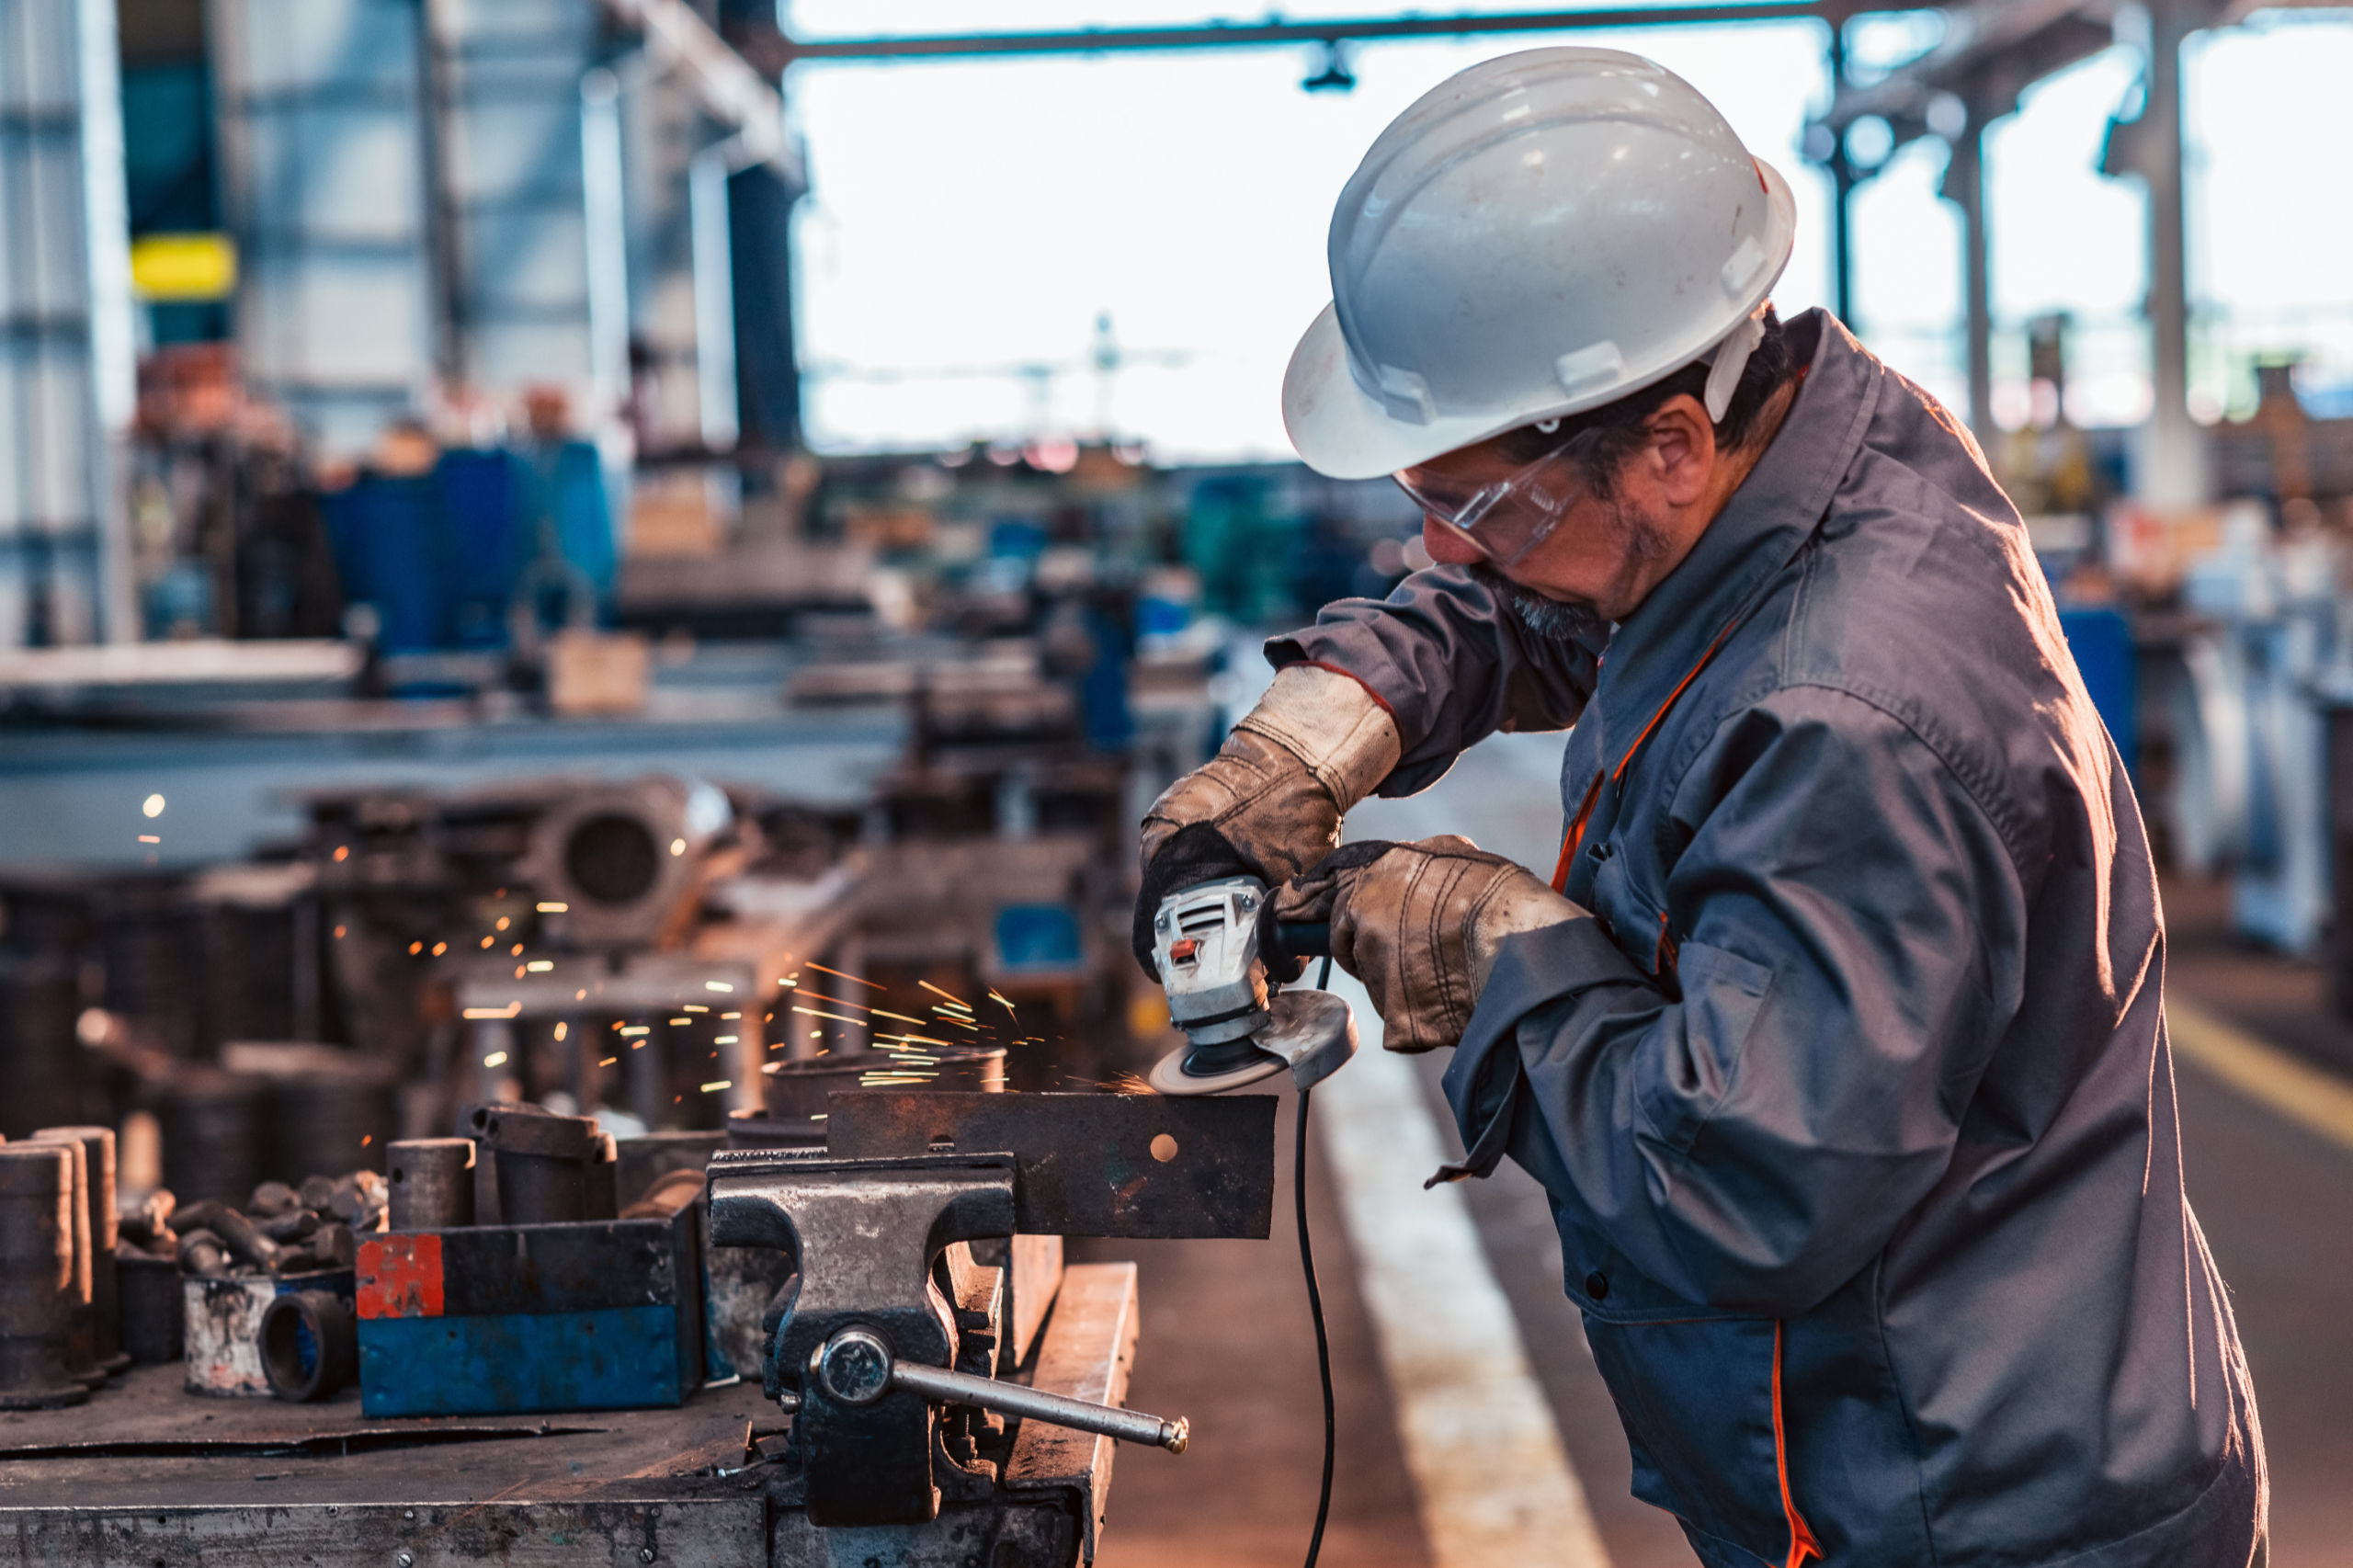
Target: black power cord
pixel 1314 1308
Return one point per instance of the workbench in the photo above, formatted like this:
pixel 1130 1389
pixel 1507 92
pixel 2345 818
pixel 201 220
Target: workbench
pixel 146 1476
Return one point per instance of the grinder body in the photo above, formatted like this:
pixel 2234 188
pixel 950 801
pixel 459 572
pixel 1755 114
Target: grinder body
pixel 1209 944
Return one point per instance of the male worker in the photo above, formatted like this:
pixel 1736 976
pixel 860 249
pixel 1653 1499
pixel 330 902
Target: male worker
pixel 1837 1039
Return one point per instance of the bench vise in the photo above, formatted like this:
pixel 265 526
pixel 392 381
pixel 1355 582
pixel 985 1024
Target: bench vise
pixel 924 1242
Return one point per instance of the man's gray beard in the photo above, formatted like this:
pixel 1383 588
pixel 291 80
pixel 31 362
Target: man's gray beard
pixel 1556 620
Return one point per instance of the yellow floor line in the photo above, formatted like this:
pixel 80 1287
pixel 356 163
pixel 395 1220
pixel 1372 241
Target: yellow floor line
pixel 2312 1098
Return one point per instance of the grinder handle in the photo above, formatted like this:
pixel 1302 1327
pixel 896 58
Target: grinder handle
pixel 1298 941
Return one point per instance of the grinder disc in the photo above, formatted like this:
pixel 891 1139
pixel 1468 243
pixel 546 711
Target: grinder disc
pixel 1168 1075
pixel 1310 1033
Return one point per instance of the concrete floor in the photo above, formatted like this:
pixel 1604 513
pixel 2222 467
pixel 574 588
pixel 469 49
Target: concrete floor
pixel 1227 1343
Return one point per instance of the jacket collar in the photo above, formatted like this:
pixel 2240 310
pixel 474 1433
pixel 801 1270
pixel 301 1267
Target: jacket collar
pixel 1761 530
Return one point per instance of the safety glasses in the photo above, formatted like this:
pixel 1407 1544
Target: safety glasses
pixel 1503 517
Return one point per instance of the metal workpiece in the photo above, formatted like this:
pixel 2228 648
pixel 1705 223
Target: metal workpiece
pixel 432 1183
pixel 796 1092
pixel 1121 1165
pixel 37 1283
pixel 856 1367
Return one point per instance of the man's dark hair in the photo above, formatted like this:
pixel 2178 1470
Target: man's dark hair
pixel 1771 367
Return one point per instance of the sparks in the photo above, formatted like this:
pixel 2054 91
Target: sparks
pixel 936 991
pixel 821 968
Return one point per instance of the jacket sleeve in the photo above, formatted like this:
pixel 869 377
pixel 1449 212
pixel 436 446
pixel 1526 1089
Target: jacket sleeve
pixel 1451 664
pixel 1849 928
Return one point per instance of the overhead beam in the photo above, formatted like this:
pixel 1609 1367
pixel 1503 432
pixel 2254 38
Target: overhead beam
pixel 731 89
pixel 773 50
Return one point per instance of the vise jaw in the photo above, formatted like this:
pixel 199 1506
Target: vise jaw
pixel 870 1239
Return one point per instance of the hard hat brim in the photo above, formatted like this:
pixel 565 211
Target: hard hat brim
pixel 1343 432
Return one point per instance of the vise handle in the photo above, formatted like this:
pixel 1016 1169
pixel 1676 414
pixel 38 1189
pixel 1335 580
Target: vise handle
pixel 856 1367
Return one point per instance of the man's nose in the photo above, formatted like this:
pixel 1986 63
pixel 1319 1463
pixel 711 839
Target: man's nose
pixel 1447 547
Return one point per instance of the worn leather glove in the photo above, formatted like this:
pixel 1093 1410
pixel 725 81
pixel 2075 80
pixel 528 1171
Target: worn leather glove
pixel 1269 805
pixel 1421 924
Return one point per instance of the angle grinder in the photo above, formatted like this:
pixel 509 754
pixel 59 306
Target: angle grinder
pixel 1211 942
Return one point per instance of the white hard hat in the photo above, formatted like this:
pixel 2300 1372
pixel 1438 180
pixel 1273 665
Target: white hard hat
pixel 1538 235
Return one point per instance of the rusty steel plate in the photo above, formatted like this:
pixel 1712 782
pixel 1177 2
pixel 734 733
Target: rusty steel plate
pixel 1131 1166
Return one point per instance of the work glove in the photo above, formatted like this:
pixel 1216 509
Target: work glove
pixel 1269 805
pixel 1421 924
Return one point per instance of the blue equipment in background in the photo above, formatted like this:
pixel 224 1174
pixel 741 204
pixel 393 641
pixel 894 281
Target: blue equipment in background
pixel 2100 638
pixel 444 556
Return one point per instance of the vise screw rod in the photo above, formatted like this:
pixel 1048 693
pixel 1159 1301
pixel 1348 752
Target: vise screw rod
pixel 856 1366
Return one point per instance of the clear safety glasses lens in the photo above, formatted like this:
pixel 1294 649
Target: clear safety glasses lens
pixel 1503 518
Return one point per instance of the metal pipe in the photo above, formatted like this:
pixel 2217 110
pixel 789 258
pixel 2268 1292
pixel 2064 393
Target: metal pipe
pixel 432 1182
pixel 36 1276
pixel 783 50
pixel 105 1285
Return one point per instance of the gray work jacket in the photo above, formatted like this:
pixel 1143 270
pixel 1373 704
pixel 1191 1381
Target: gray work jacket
pixel 1854 1101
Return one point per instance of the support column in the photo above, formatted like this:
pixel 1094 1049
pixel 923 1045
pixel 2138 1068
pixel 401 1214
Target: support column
pixel 323 138
pixel 1964 186
pixel 2173 465
pixel 1842 185
pixel 66 368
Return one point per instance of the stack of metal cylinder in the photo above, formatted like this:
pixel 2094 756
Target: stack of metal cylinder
pixel 60 1310
pixel 543 1170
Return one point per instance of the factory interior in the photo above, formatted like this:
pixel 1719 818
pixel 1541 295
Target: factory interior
pixel 572 756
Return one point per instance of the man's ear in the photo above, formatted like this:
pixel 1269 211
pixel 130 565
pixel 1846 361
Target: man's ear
pixel 1682 446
